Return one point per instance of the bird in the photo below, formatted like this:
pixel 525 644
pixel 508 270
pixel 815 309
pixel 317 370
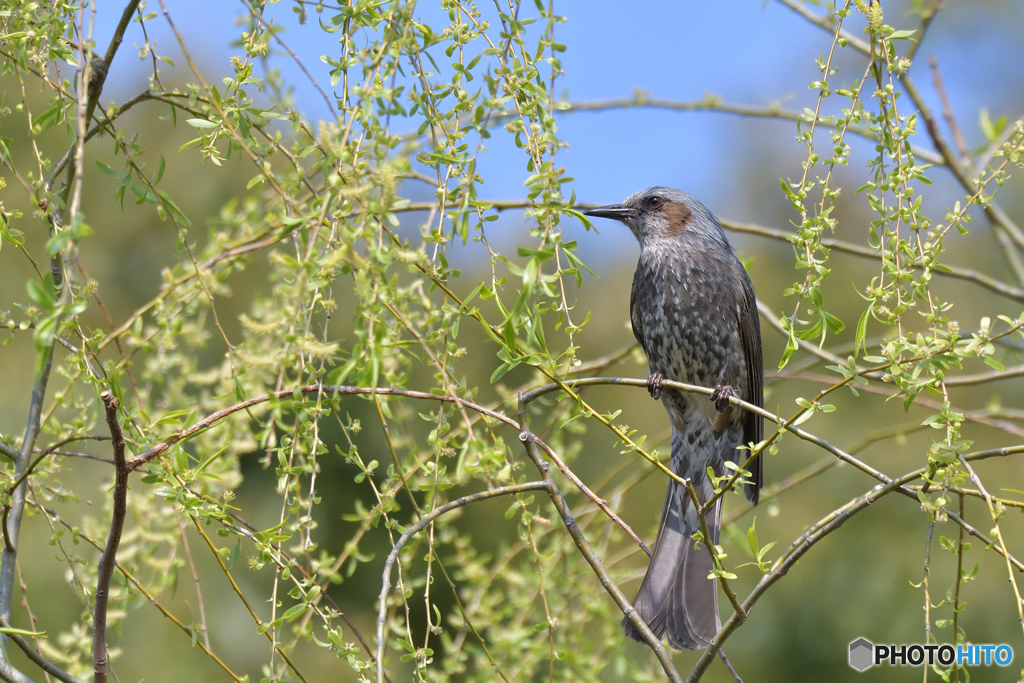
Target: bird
pixel 693 310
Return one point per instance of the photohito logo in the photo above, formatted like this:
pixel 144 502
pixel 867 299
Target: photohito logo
pixel 864 654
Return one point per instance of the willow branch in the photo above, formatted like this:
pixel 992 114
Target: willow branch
pixel 714 104
pixel 709 544
pixel 967 274
pixel 245 601
pixel 109 557
pixel 147 595
pixel 419 526
pixel 599 502
pixel 529 442
pixel 969 415
pixel 55 448
pixel 38 659
pixel 782 566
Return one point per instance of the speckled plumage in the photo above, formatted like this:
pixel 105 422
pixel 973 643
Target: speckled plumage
pixel 692 309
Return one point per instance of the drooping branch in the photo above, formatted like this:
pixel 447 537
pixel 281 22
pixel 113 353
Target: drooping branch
pixel 419 526
pixel 139 586
pixel 710 546
pixel 800 546
pixel 238 591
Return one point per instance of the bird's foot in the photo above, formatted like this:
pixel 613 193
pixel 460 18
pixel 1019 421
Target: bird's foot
pixel 721 396
pixel 654 385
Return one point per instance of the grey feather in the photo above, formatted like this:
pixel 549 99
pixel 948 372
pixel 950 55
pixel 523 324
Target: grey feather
pixel 693 311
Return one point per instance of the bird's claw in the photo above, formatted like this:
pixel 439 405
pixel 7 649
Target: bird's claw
pixel 654 385
pixel 721 396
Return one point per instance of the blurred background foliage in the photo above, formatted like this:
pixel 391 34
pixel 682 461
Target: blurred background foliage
pixel 335 284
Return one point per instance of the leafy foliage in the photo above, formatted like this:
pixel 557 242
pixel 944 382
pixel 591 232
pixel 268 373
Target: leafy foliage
pixel 365 316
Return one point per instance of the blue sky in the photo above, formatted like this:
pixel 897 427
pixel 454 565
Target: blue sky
pixel 747 51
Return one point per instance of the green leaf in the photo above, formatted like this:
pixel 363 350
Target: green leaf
pixel 174 417
pixel 295 612
pixel 752 538
pixel 21 632
pixel 862 330
pixel 41 294
pixel 109 171
pixel 993 363
pixel 235 553
pixel 903 35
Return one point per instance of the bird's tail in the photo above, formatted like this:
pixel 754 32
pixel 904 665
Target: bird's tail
pixel 677 600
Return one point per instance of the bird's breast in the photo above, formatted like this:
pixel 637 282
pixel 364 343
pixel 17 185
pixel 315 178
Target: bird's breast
pixel 689 323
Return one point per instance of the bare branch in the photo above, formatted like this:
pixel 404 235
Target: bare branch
pixel 109 557
pixel 713 104
pixel 947 110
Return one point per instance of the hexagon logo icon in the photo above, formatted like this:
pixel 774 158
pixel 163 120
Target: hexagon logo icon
pixel 861 654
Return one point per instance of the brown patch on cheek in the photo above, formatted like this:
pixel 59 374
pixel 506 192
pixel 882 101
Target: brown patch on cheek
pixel 678 217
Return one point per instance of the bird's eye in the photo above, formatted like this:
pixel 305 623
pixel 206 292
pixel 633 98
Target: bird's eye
pixel 654 202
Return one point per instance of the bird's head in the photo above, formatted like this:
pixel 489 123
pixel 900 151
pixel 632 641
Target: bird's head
pixel 662 213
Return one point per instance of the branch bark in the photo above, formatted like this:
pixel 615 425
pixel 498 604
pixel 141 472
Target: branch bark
pixel 109 557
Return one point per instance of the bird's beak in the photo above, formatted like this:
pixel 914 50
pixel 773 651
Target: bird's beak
pixel 614 211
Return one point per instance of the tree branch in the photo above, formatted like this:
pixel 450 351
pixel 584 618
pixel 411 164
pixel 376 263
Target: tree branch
pixel 38 659
pixel 109 557
pixel 782 566
pixel 529 441
pixel 714 104
pixel 145 593
pixel 990 283
pixel 419 526
pixel 13 512
pixel 709 544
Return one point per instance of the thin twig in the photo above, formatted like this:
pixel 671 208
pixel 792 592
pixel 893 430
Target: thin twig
pixel 54 449
pixel 969 275
pixel 33 620
pixel 782 566
pixel 195 580
pixel 145 593
pixel 529 441
pixel 927 17
pixel 709 544
pixel 714 104
pixel 956 591
pixel 599 502
pixel 38 659
pixel 927 590
pixel 245 601
pixel 728 665
pixel 423 523
pixel 947 111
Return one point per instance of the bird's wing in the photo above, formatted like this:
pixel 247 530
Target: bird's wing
pixel 750 337
pixel 634 318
